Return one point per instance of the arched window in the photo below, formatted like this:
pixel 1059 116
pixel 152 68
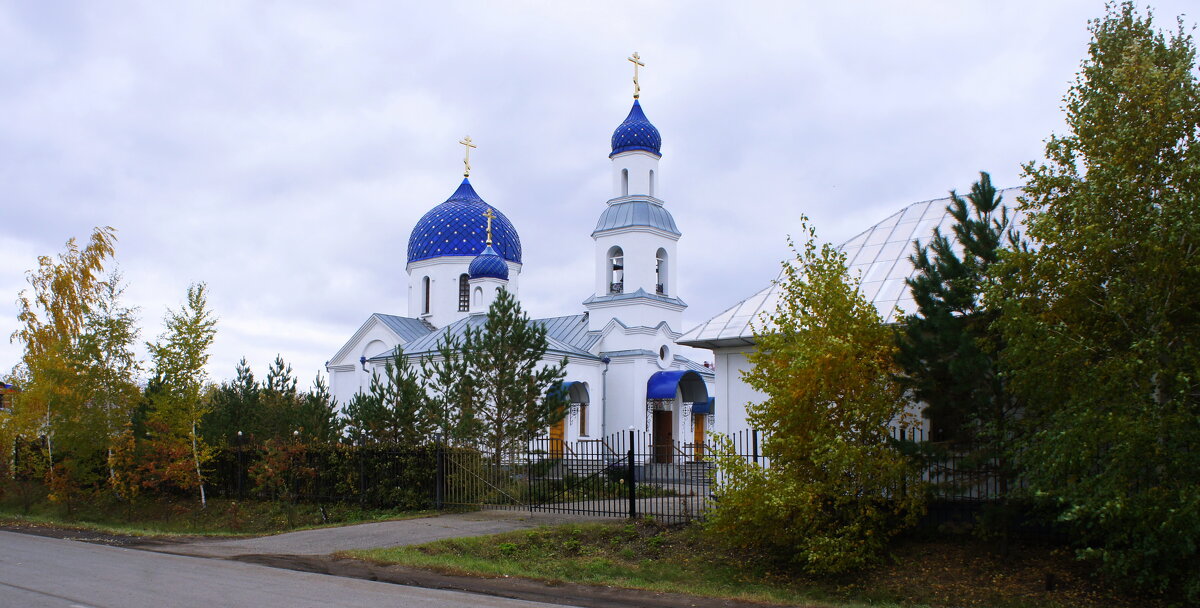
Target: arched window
pixel 426 296
pixel 652 182
pixel 616 270
pixel 464 292
pixel 478 296
pixel 624 182
pixel 661 270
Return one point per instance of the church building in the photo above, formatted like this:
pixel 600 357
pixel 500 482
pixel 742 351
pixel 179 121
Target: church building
pixel 623 370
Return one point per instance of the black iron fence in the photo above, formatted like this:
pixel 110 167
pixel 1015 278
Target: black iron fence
pixel 623 475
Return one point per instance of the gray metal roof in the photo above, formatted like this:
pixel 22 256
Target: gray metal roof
pixel 878 255
pixel 407 328
pixel 626 214
pixel 564 335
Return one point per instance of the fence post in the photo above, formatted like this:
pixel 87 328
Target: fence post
pixel 362 475
pixel 631 478
pixel 441 474
pixel 241 466
pixel 754 441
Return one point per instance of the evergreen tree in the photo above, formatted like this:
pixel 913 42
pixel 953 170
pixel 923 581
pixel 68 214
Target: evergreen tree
pixel 362 416
pixel 1101 318
pixel 947 348
pixel 235 408
pixel 279 403
pixel 395 410
pixel 512 382
pixel 404 398
pixel 452 398
pixel 318 416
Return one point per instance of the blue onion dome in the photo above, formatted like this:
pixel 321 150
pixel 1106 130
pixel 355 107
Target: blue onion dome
pixel 488 264
pixel 454 228
pixel 636 133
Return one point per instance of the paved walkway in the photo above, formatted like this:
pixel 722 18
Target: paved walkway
pixel 374 535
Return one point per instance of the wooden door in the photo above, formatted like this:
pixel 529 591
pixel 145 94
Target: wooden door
pixel 698 435
pixel 664 436
pixel 558 432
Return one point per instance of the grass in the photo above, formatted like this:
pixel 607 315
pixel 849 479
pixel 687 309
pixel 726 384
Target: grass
pixel 958 571
pixel 183 516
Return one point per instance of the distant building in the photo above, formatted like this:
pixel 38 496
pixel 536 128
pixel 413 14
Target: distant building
pixel 879 255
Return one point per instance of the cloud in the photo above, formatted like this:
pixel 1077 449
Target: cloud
pixel 282 152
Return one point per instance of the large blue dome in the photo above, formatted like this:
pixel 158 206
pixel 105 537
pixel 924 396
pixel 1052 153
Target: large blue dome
pixel 636 133
pixel 488 264
pixel 457 227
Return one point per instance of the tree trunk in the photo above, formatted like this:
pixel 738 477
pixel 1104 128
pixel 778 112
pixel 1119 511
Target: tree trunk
pixel 196 459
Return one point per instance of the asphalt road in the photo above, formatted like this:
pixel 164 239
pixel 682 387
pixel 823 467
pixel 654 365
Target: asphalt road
pixel 38 572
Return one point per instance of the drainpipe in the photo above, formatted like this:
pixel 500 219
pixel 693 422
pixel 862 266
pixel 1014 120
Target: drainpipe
pixel 604 396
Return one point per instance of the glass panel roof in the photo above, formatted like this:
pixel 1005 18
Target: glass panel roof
pixel 880 253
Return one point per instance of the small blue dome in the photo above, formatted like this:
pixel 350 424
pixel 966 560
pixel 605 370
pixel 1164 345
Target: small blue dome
pixel 488 264
pixel 457 227
pixel 636 133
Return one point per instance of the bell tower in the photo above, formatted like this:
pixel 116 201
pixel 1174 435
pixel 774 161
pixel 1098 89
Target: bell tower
pixel 635 237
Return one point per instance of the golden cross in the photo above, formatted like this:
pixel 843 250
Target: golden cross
pixel 637 61
pixel 490 216
pixel 466 141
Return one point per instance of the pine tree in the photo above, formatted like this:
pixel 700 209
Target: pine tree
pixel 947 349
pixel 318 417
pixel 452 397
pixel 234 409
pixel 513 383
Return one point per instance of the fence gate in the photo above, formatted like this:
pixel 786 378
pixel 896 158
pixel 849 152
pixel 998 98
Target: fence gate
pixel 622 475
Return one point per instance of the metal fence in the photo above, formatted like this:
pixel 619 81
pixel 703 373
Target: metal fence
pixel 625 474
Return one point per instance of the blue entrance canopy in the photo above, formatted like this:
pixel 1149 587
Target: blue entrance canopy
pixel 575 392
pixel 662 385
pixel 706 408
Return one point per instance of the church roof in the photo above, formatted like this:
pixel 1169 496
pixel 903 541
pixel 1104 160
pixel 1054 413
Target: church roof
pixel 564 336
pixel 457 227
pixel 879 255
pixel 625 214
pixel 636 133
pixel 407 328
pixel 488 264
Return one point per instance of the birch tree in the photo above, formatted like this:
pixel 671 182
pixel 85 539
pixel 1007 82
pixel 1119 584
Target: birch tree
pixel 179 357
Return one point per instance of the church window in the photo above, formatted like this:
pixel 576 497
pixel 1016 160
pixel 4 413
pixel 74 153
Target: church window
pixel 464 293
pixel 583 421
pixel 661 271
pixel 616 270
pixel 652 182
pixel 425 296
pixel 624 182
pixel 478 296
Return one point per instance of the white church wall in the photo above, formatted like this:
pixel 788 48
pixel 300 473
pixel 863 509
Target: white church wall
pixel 346 375
pixel 642 171
pixel 640 249
pixel 444 273
pixel 732 392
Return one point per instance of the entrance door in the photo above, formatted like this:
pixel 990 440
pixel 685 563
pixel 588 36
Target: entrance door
pixel 558 432
pixel 698 436
pixel 664 436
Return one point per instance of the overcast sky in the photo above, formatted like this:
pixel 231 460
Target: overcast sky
pixel 282 151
